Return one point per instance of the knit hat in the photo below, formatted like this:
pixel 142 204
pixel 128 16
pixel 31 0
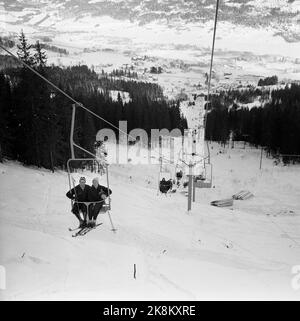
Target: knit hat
pixel 96 180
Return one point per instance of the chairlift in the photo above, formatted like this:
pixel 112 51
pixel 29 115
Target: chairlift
pixel 106 207
pixel 100 163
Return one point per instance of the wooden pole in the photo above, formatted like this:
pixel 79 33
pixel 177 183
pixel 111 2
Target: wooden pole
pixel 194 189
pixel 190 186
pixel 72 131
pixel 51 161
pixel 261 156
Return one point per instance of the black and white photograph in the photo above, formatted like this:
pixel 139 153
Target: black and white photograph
pixel 149 151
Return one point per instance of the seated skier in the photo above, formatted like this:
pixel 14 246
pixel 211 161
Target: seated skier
pixel 179 176
pixel 79 194
pixel 97 193
pixel 164 186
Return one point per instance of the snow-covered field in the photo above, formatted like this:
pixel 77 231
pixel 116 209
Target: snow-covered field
pixel 243 252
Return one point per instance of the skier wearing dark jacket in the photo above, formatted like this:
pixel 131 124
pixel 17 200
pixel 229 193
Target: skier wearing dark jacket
pixel 79 194
pixel 97 193
pixel 165 186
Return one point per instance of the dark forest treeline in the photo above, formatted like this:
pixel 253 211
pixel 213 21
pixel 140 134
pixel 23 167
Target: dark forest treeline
pixel 10 43
pixel 7 62
pixel 83 79
pixel 268 81
pixel 7 42
pixel 54 49
pixel 80 77
pixel 35 119
pixel 275 125
pixel 122 73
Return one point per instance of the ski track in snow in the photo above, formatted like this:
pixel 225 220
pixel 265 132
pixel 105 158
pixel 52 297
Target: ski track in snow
pixel 245 251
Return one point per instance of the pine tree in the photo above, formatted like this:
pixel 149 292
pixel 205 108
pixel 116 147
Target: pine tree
pixel 24 50
pixel 40 56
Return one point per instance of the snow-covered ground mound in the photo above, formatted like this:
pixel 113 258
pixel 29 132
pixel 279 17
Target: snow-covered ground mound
pixel 246 251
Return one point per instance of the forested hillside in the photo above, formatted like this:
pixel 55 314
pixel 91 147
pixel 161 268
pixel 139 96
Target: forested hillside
pixel 275 124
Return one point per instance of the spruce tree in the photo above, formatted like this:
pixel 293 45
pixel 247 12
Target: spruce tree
pixel 40 56
pixel 24 49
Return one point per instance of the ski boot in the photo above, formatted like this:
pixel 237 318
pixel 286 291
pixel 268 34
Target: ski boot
pixel 82 224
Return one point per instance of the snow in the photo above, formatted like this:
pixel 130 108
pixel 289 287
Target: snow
pixel 284 5
pixel 232 4
pixel 255 103
pixel 243 252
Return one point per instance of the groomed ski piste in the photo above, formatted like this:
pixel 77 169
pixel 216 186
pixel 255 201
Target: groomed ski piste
pixel 159 251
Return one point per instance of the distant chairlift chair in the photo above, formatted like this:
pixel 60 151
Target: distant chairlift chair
pixel 205 181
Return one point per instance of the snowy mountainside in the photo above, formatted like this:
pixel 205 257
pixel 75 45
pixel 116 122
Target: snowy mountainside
pixel 254 38
pixel 273 12
pixel 245 252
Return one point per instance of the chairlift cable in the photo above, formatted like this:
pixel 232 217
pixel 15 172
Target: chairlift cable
pixel 211 61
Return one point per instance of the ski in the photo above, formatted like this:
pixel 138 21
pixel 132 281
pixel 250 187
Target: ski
pixel 85 230
pixel 74 229
pixel 80 232
pixel 89 229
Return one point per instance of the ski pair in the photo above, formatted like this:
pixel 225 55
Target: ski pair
pixel 78 228
pixel 85 230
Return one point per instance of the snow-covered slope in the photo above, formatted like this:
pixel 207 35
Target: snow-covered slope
pixel 246 251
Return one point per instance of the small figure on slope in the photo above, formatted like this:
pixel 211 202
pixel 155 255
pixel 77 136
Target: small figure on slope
pixel 179 176
pixel 165 186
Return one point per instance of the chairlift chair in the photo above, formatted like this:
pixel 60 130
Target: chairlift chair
pixel 106 206
pixel 204 180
